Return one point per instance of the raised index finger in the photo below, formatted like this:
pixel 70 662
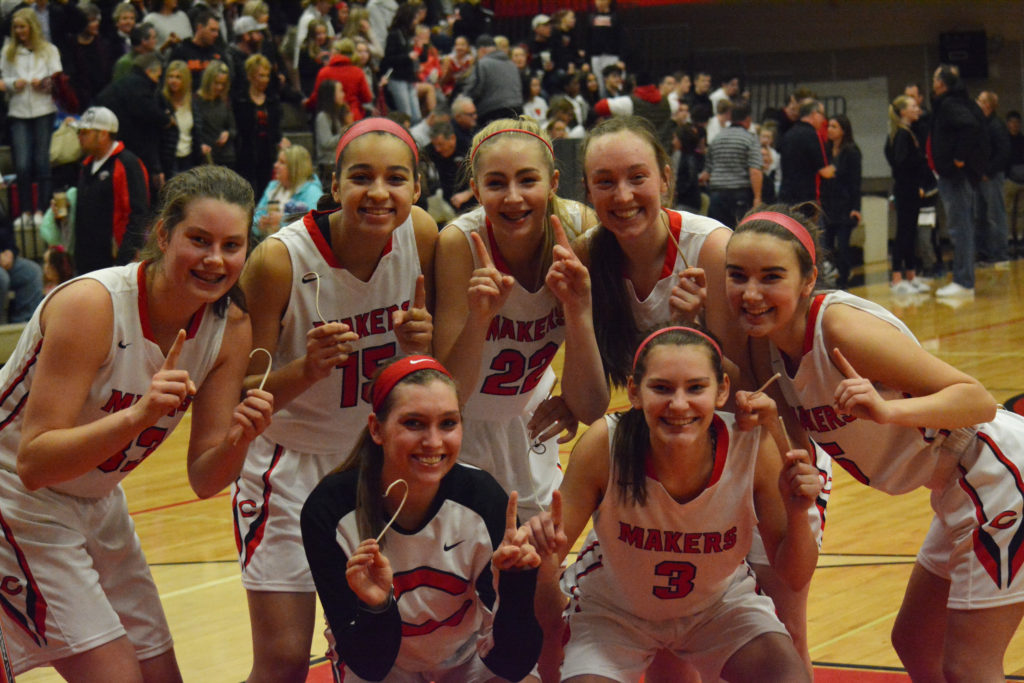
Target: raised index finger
pixel 510 512
pixel 561 238
pixel 844 365
pixel 482 257
pixel 172 355
pixel 556 508
pixel 419 299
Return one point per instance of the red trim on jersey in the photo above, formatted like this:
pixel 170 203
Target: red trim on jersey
pixel 1015 548
pixel 17 382
pixel 675 225
pixel 147 328
pixel 812 322
pixel 247 546
pixel 309 220
pixel 721 450
pixel 499 260
pixel 33 623
pixel 431 625
pixel 431 578
pixel 985 547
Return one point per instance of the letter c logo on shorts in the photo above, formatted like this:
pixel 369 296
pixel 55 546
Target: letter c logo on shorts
pixel 1004 520
pixel 11 585
pixel 248 508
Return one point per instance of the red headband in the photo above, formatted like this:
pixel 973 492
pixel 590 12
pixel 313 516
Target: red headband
pixel 396 372
pixel 795 227
pixel 376 125
pixel 511 130
pixel 676 328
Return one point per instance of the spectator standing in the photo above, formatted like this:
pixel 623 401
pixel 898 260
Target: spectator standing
pixel 315 10
pixel 380 15
pixel 729 90
pixel 1014 185
pixel 27 68
pixel 992 211
pixel 455 64
pixel 604 41
pixel 215 118
pixel 568 53
pixel 718 122
pixel 202 49
pixel 249 38
pixel 88 61
pixel 313 56
pixel 143 42
pixel 840 195
pixel 958 154
pixel 177 92
pixel 112 197
pixel 733 170
pixel 488 83
pixel 541 46
pixel 689 168
pixel 700 96
pixel 124 21
pixel 143 117
pixel 340 68
pixel 906 157
pixel 803 156
pixel 645 101
pixel 397 59
pixel 258 117
pixel 172 25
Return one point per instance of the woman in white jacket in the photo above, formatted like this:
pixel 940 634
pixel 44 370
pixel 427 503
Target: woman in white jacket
pixel 27 66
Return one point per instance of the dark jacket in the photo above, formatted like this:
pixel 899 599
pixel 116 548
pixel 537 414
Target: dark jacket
pixel 141 114
pixel 998 144
pixel 211 119
pixel 197 58
pixel 111 211
pixel 841 194
pixel 802 157
pixel 905 155
pixel 957 135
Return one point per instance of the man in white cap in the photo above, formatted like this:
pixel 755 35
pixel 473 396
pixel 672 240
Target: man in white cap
pixel 113 195
pixel 248 41
pixel 541 45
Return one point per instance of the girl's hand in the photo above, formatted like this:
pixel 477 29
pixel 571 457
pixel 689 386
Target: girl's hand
pixel 856 395
pixel 515 552
pixel 552 417
pixel 689 295
pixel 799 481
pixel 755 409
pixel 545 528
pixel 568 279
pixel 415 327
pixel 223 137
pixel 168 388
pixel 369 575
pixel 251 416
pixel 326 346
pixel 488 287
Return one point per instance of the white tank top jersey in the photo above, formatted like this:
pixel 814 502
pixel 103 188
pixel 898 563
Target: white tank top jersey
pixel 666 560
pixel 515 369
pixel 690 230
pixel 890 458
pixel 329 416
pixel 134 357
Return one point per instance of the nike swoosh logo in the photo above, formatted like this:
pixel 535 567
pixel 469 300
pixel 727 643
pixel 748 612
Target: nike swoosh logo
pixel 123 345
pixel 449 547
pixel 416 362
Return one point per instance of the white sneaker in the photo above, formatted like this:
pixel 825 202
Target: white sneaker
pixel 919 286
pixel 953 289
pixel 901 288
pixel 1001 265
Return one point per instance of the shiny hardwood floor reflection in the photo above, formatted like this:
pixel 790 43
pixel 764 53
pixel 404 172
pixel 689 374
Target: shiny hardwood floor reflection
pixel 870 542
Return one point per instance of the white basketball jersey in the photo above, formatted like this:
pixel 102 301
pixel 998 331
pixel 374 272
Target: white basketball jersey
pixel 515 372
pixel 134 357
pixel 667 559
pixel 690 230
pixel 890 458
pixel 329 416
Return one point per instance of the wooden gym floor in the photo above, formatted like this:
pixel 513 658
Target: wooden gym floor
pixel 870 539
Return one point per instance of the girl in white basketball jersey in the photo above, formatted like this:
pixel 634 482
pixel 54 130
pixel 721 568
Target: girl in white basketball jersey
pixel 675 490
pixel 104 371
pixel 447 593
pixel 510 293
pixel 896 418
pixel 650 264
pixel 341 292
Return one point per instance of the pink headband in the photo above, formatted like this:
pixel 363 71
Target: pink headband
pixel 676 328
pixel 396 372
pixel 795 227
pixel 510 130
pixel 376 125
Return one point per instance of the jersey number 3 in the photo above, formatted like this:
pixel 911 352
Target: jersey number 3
pixel 680 579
